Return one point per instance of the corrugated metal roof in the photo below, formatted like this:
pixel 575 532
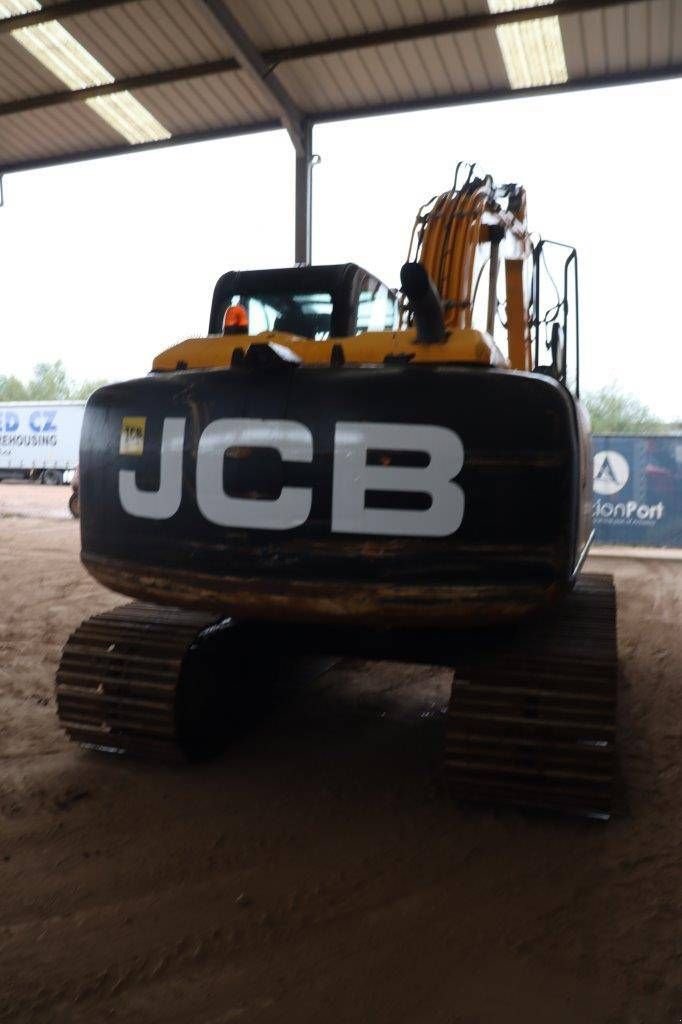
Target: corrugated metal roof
pixel 348 65
pixel 49 133
pixel 20 74
pixel 205 104
pixel 150 35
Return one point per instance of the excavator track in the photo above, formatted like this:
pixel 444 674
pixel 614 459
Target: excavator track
pixel 532 717
pixel 119 682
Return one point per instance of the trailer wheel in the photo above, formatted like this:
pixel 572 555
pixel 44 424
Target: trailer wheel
pixel 52 476
pixel 75 505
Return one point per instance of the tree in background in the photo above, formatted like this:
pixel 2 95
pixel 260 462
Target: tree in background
pixel 613 412
pixel 50 382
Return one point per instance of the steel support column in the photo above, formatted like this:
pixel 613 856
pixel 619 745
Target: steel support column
pixel 304 198
pixel 290 114
pixel 251 60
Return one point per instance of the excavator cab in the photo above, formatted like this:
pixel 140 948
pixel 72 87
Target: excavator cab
pixel 316 303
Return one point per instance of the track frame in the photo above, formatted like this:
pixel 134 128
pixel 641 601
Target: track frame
pixel 531 720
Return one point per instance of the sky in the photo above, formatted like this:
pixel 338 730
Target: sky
pixel 107 262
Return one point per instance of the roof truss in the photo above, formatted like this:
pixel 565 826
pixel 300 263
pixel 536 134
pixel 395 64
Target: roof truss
pixel 261 65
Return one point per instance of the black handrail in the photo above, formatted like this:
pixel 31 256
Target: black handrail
pixel 562 306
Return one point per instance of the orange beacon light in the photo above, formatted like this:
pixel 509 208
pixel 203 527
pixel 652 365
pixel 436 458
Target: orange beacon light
pixel 236 320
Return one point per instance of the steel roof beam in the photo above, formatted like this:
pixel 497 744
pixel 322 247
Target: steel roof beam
pixel 252 60
pixel 462 23
pixel 444 26
pixel 146 81
pixel 463 99
pixel 61 9
pixel 268 59
pixel 328 116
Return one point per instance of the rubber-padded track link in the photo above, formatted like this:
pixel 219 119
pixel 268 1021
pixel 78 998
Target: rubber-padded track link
pixel 118 679
pixel 532 717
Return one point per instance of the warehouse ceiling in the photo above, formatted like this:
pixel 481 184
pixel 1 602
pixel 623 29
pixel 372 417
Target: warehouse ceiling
pixel 81 78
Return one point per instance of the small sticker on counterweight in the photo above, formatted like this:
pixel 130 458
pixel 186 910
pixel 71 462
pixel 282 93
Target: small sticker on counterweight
pixel 132 435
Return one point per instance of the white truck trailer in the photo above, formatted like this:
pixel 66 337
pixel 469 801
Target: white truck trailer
pixel 39 440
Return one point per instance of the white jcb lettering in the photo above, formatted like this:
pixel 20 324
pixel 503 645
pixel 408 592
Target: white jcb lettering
pixel 292 440
pixel 353 478
pixel 164 502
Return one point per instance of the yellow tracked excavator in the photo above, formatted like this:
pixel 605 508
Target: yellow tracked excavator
pixel 338 468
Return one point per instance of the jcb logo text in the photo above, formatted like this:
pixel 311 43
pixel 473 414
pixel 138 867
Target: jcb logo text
pixel 353 477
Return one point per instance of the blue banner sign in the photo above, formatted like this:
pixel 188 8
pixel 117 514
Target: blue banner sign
pixel 638 490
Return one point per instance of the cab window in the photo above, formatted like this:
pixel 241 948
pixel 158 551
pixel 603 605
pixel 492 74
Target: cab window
pixel 377 308
pixel 307 315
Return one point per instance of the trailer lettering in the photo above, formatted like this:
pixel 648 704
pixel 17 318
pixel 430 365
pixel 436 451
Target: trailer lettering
pixel 10 421
pixel 353 477
pixel 36 436
pixel 42 421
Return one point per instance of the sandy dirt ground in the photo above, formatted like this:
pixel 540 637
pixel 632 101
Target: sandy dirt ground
pixel 29 500
pixel 318 872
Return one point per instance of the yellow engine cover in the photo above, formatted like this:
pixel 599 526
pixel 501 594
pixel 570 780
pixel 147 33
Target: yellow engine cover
pixel 372 348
